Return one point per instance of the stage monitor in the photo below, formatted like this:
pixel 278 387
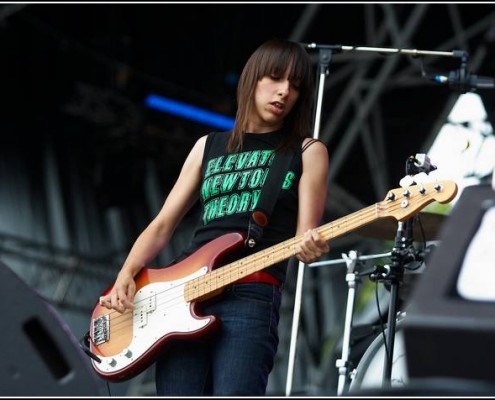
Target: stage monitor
pixel 449 329
pixel 39 355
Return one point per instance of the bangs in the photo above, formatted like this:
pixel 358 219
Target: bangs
pixel 276 62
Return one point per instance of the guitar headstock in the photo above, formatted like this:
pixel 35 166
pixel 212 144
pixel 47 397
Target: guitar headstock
pixel 404 202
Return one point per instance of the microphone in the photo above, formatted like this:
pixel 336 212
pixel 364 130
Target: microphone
pixel 464 82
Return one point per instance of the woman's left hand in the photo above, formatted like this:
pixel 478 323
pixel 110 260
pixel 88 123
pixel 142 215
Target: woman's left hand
pixel 312 247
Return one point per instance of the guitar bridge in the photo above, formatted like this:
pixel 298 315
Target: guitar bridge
pixel 101 329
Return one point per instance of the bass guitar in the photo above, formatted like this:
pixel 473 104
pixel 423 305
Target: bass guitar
pixel 166 301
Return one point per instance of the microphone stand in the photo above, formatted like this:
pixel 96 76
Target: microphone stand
pixel 325 56
pixel 384 50
pixel 460 80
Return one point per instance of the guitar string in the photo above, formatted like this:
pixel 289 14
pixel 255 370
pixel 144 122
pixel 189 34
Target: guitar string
pixel 282 246
pixel 353 220
pixel 350 222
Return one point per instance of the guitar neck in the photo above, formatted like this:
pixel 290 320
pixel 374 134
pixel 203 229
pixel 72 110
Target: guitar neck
pixel 399 203
pixel 236 270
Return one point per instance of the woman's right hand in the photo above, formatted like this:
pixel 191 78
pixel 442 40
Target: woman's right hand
pixel 157 234
pixel 121 297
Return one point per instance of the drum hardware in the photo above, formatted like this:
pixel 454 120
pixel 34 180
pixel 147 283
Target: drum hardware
pixel 391 275
pixel 343 364
pixel 402 254
pixel 380 273
pixel 370 366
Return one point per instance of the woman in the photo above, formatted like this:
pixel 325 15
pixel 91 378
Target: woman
pixel 226 171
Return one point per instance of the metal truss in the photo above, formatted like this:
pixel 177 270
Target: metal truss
pixel 323 302
pixel 73 281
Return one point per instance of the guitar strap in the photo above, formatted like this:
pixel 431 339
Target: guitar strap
pixel 269 194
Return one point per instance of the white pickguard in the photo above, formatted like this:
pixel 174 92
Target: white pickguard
pixel 160 310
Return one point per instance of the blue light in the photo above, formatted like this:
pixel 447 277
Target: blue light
pixel 189 112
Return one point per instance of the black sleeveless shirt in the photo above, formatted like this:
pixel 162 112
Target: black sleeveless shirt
pixel 231 186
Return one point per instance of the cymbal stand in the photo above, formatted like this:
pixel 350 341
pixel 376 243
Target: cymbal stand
pixel 343 364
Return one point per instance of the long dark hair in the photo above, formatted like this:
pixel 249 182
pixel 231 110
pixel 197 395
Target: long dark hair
pixel 273 57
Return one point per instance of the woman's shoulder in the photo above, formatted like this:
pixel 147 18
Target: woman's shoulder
pixel 314 145
pixel 315 156
pixel 201 141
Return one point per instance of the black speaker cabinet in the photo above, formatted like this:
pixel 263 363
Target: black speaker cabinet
pixel 446 333
pixel 38 354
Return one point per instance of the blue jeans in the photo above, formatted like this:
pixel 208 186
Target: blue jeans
pixel 238 358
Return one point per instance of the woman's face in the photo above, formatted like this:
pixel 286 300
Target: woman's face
pixel 274 98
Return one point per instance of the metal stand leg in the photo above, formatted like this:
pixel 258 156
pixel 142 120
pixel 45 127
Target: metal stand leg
pixel 402 253
pixel 390 335
pixel 343 363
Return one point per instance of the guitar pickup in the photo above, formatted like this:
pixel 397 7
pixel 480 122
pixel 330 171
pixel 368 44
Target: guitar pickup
pixel 101 329
pixel 148 305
